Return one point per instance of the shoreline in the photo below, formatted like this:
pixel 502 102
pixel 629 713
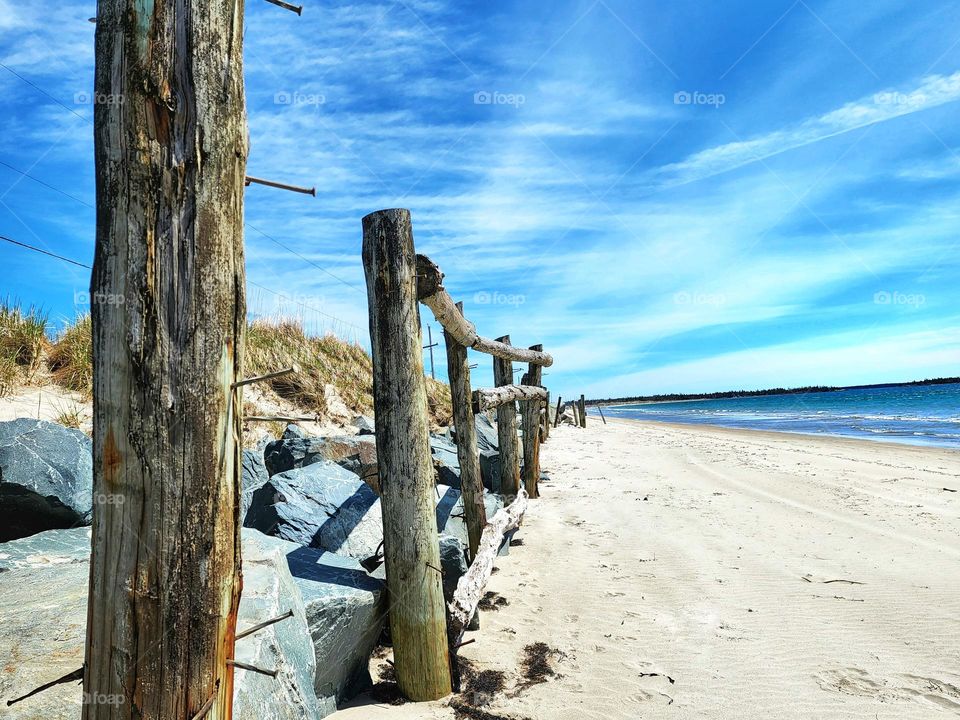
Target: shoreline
pixel 881 441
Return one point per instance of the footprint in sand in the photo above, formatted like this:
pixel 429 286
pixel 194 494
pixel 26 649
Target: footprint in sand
pixel 902 687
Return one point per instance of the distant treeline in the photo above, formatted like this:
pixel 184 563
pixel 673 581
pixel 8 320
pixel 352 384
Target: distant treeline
pixel 670 397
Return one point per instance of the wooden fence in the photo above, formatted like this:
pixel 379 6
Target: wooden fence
pixel 425 634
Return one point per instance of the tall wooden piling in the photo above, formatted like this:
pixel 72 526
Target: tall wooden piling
pixel 410 542
pixel 556 415
pixel 530 418
pixel 583 412
pixel 471 482
pixel 170 155
pixel 507 428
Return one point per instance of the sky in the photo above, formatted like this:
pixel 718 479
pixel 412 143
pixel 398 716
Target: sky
pixel 669 196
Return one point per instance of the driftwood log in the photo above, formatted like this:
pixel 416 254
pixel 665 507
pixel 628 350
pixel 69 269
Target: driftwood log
pixel 170 163
pixel 530 422
pixel 489 398
pixel 471 586
pixel 410 542
pixel 430 292
pixel 507 428
pixel 471 482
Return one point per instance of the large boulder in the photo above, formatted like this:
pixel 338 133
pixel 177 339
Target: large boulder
pixel 269 590
pixel 253 476
pixel 490 470
pixel 450 511
pixel 364 425
pixel 487 438
pixel 43 603
pixel 321 505
pixel 346 610
pixel 453 564
pixel 46 478
pixel 357 453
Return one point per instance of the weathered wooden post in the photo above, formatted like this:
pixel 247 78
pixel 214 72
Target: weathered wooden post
pixel 170 144
pixel 471 482
pixel 545 420
pixel 583 412
pixel 556 415
pixel 410 542
pixel 507 428
pixel 530 418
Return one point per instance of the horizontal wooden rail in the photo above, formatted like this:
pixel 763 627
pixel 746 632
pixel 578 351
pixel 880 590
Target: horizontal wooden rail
pixel 430 292
pixel 471 585
pixel 489 398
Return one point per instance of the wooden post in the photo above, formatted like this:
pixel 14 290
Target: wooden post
pixel 583 412
pixel 530 417
pixel 170 144
pixel 507 428
pixel 410 542
pixel 545 420
pixel 430 344
pixel 471 482
pixel 556 415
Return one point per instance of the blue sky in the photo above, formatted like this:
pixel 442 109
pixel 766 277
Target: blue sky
pixel 670 196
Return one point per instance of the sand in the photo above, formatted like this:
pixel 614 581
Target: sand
pixel 694 572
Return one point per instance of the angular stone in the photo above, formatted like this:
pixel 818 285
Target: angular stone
pixel 490 470
pixel 46 478
pixel 293 431
pixel 253 476
pixel 269 590
pixel 355 452
pixel 450 511
pixel 346 610
pixel 321 505
pixel 43 603
pixel 364 425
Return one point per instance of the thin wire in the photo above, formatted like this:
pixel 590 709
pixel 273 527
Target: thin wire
pixel 305 259
pixel 44 252
pixel 47 185
pixel 308 307
pixel 41 90
pixel 251 282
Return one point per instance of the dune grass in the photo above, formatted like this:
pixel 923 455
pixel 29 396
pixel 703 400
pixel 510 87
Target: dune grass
pixel 70 358
pixel 22 343
pixel 271 345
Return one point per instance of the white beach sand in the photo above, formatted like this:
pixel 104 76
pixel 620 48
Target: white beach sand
pixel 726 560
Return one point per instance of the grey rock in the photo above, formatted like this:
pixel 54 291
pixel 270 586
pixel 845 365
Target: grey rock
pixel 453 564
pixel 321 505
pixel 364 425
pixel 293 431
pixel 490 470
pixel 450 511
pixel 43 603
pixel 46 478
pixel 487 438
pixel 346 610
pixel 269 590
pixel 445 451
pixel 253 476
pixel 356 452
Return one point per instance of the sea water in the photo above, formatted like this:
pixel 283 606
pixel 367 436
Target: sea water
pixel 913 414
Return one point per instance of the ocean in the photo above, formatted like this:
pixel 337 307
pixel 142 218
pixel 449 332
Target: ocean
pixel 916 415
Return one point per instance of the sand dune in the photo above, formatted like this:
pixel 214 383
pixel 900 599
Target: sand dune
pixel 707 573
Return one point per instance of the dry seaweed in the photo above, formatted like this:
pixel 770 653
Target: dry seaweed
pixel 536 663
pixel 492 601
